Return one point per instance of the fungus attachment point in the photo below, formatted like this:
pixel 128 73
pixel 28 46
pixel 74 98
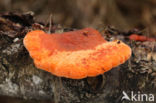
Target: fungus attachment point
pixel 75 55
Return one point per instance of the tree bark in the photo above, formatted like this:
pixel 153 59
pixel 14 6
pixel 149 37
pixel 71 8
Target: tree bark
pixel 20 78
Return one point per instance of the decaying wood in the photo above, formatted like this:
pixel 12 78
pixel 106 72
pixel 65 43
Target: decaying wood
pixel 20 78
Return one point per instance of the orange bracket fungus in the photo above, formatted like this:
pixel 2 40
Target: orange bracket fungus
pixel 75 54
pixel 140 38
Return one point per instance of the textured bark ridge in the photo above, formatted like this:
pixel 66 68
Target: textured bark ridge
pixel 20 78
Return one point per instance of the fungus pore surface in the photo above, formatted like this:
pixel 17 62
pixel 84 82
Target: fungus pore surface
pixel 76 54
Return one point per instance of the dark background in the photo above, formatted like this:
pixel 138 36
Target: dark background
pixel 122 14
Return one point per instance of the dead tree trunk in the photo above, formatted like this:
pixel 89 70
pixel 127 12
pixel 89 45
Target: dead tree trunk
pixel 20 78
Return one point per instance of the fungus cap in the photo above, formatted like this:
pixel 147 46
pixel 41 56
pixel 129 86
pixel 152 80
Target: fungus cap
pixel 75 54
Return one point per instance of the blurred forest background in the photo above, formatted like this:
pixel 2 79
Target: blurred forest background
pixel 122 14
